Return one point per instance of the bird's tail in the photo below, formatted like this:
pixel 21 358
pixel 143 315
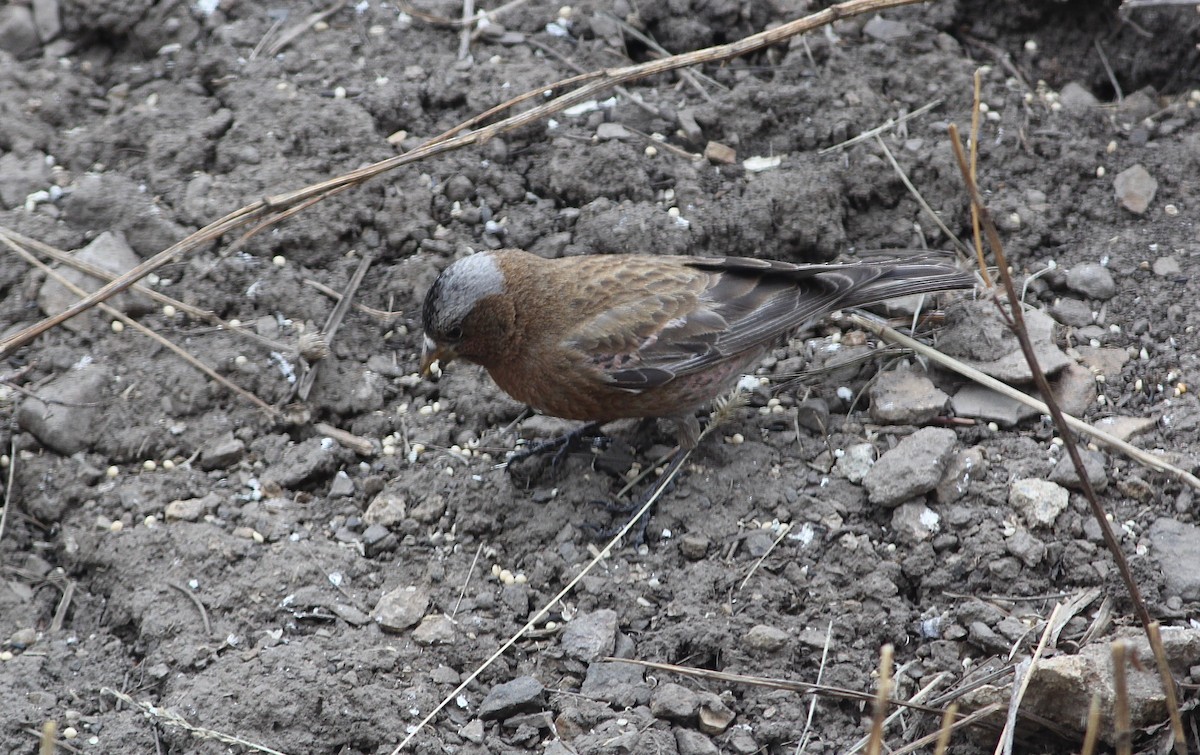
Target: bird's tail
pixel 877 281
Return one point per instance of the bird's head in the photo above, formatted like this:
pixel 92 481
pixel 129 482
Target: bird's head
pixel 466 313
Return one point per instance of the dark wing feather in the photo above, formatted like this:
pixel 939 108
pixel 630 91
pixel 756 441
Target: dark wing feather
pixel 711 309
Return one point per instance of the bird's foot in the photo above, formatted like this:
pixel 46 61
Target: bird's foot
pixel 562 446
pixel 638 530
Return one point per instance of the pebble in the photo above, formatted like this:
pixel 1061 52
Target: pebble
pixel 1135 188
pixel 1039 501
pixel 979 402
pixel 813 414
pixel 1093 464
pixel 765 639
pixel 1125 427
pixel 342 486
pixel 714 715
pixel 1076 99
pixel 977 334
pixel 967 465
pixel 609 131
pixel 622 685
pixel 1176 547
pixel 915 521
pixel 308 460
pixel 1092 280
pixel 901 397
pixel 18 32
pixel 674 702
pixel 435 629
pixel 190 509
pixel 1025 547
pixel 66 414
pixel 108 251
pixel 472 731
pixel 222 453
pixel 590 636
pixel 914 467
pixel 694 546
pixel 521 695
pixel 401 608
pixel 389 508
pixel 1073 312
pixel 1166 267
pixel 692 742
pixel 46 18
pixel 856 462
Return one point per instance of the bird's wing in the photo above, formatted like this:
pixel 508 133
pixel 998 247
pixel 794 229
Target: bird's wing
pixel 670 317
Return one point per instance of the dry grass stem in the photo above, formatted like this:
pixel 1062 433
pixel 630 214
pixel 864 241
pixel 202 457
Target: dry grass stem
pixel 170 718
pixel 975 230
pixel 1091 734
pixel 1025 671
pixel 945 730
pixel 1168 682
pixel 1122 728
pixel 879 712
pixel 963 249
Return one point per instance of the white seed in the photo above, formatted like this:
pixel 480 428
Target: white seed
pixel 168 310
pixel 1100 172
pixel 149 465
pixel 1171 210
pixel 111 472
pixel 651 151
pixel 118 326
pixel 116 526
pixel 279 260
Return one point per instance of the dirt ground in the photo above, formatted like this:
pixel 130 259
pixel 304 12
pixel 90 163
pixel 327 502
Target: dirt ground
pixel 166 540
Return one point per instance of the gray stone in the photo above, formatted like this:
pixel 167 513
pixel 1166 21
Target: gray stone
pixel 107 251
pixel 473 731
pixel 714 715
pixel 1093 465
pixel 608 131
pixel 694 546
pixel 813 414
pixel 1027 548
pixel 915 522
pixel 1125 427
pixel 1092 280
pixel 65 416
pixel 765 639
pixel 387 509
pixel 342 486
pixel 976 334
pixel 692 742
pixel 886 30
pixel 622 685
pixel 1176 547
pixel 967 465
pixel 1039 501
pixel 1106 361
pixel 304 462
pixel 674 702
pixel 1166 267
pixel 20 176
pixel 979 402
pixel 914 467
pixel 435 629
pixel 1075 389
pixel 221 453
pixel 1135 188
pixel 521 695
pixel 190 509
pixel 590 636
pixel 856 462
pixel 900 397
pixel 46 18
pixel 1073 312
pixel 1076 99
pixel 18 32
pixel 401 608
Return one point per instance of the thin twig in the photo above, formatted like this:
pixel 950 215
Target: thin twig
pixel 1091 734
pixel 975 230
pixel 1122 726
pixel 879 711
pixel 963 249
pixel 466 580
pixel 196 601
pixel 812 704
pixel 311 20
pixel 1168 683
pixel 8 488
pixel 1004 745
pixel 782 533
pixel 945 730
pixel 334 322
pixel 171 718
pixel 887 125
pixel 1112 77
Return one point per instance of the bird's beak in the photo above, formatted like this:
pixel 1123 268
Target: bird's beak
pixel 434 357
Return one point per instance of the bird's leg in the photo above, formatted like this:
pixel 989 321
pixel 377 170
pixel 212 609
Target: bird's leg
pixel 562 445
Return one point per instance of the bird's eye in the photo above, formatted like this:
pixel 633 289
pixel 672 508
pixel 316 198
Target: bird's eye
pixel 455 333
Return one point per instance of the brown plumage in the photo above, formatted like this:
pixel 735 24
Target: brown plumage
pixel 608 337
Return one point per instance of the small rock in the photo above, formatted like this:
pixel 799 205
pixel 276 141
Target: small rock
pixel 977 334
pixel 758 542
pixel 609 131
pixel 429 509
pixel 108 251
pixel 521 695
pixel 1176 547
pixel 979 402
pixel 915 521
pixel 342 486
pixel 18 32
pixel 472 731
pixel 435 629
pixel 1039 501
pixel 1076 99
pixel 1166 267
pixel 914 467
pixel 387 509
pixel 304 462
pixel 674 702
pixel 23 638
pixel 622 685
pixel 1105 361
pixel 1073 312
pixel 694 546
pixel 905 398
pixel 401 608
pixel 65 416
pixel 715 716
pixel 46 18
pixel 1027 548
pixel 813 414
pixel 885 30
pixel 377 539
pixel 590 636
pixel 968 464
pixel 188 510
pixel 1075 389
pixel 692 742
pixel 765 639
pixel 1092 280
pixel 222 453
pixel 1125 427
pixel 1093 464
pixel 1135 188
pixel 856 462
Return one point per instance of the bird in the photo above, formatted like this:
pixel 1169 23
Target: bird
pixel 598 338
